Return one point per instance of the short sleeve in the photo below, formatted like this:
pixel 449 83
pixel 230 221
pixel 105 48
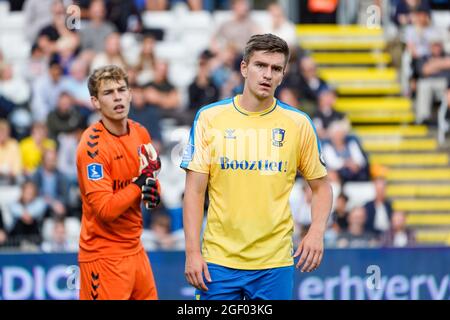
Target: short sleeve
pixel 311 163
pixel 197 155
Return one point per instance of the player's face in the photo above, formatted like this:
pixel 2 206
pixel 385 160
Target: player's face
pixel 263 73
pixel 113 100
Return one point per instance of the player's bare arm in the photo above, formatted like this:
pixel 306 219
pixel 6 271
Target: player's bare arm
pixel 194 198
pixel 311 247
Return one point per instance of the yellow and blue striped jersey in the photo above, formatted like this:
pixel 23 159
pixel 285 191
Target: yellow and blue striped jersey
pixel 252 159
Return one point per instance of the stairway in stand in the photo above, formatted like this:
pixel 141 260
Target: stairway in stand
pixel 354 60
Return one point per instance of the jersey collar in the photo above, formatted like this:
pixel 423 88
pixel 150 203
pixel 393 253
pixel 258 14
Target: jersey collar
pixel 239 108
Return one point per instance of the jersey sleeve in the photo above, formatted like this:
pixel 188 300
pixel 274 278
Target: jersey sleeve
pixel 311 164
pixel 197 155
pixel 94 174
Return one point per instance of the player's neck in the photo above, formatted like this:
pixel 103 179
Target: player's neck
pixel 117 128
pixel 251 103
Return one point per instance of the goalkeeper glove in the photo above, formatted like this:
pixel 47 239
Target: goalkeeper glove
pixel 151 193
pixel 149 166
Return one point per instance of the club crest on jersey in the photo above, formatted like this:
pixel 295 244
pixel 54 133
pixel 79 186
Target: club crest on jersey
pixel 95 171
pixel 278 137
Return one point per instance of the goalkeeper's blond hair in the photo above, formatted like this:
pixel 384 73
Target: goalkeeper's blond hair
pixel 106 73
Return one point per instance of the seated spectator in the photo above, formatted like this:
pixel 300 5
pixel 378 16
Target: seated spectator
pixel 326 114
pixel 46 91
pixel 12 86
pixel 160 93
pixel 434 80
pixel 37 64
pixel 146 65
pixel 344 156
pixel 340 214
pixel 237 30
pixel 305 80
pixel 65 118
pixel 33 147
pixel 10 156
pixel 3 232
pixel 225 70
pixel 147 115
pixel 111 55
pixel 52 185
pixel 398 235
pixel 68 144
pixel 36 16
pixel 356 236
pixel 159 235
pixel 76 84
pixel 379 211
pixel 59 241
pixel 280 25
pixel 202 91
pixel 403 11
pixel 93 35
pixel 27 213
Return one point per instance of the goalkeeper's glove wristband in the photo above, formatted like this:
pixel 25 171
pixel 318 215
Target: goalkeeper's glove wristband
pixel 146 174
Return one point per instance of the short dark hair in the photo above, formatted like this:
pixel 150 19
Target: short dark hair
pixel 267 43
pixel 106 73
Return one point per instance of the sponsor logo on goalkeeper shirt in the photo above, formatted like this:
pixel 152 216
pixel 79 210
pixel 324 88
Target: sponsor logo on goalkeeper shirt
pixel 253 165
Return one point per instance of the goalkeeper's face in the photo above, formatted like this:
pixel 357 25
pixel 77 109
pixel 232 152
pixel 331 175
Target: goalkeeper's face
pixel 113 100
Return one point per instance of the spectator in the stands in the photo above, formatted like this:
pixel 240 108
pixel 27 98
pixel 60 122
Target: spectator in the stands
pixel 147 115
pixel 33 147
pixel 76 85
pixel 344 156
pixel 111 55
pixel 65 118
pixel 124 15
pixel 379 210
pixel 302 77
pixel 12 86
pixel 325 114
pixel 434 79
pixel 237 30
pixel 10 157
pixel 59 241
pixel 202 91
pixel 280 25
pixel 52 185
pixel 37 64
pixel 356 236
pixel 36 16
pixel 46 90
pixel 225 70
pixel 403 10
pixel 160 93
pixel 159 236
pixel 399 234
pixel 146 65
pixel 28 213
pixel 94 34
pixel 340 214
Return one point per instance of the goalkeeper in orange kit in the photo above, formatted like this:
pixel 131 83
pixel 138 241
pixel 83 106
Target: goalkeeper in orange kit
pixel 117 168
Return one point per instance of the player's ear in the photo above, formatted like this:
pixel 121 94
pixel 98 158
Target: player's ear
pixel 244 69
pixel 95 102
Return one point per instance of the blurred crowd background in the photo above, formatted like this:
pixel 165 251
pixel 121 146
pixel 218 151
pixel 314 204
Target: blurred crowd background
pixel 180 56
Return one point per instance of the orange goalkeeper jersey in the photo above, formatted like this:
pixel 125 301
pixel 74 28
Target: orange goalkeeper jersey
pixel 111 223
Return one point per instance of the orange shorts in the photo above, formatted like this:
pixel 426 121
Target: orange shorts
pixel 125 278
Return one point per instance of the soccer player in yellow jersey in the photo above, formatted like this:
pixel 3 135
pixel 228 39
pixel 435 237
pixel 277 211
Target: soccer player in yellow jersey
pixel 247 151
